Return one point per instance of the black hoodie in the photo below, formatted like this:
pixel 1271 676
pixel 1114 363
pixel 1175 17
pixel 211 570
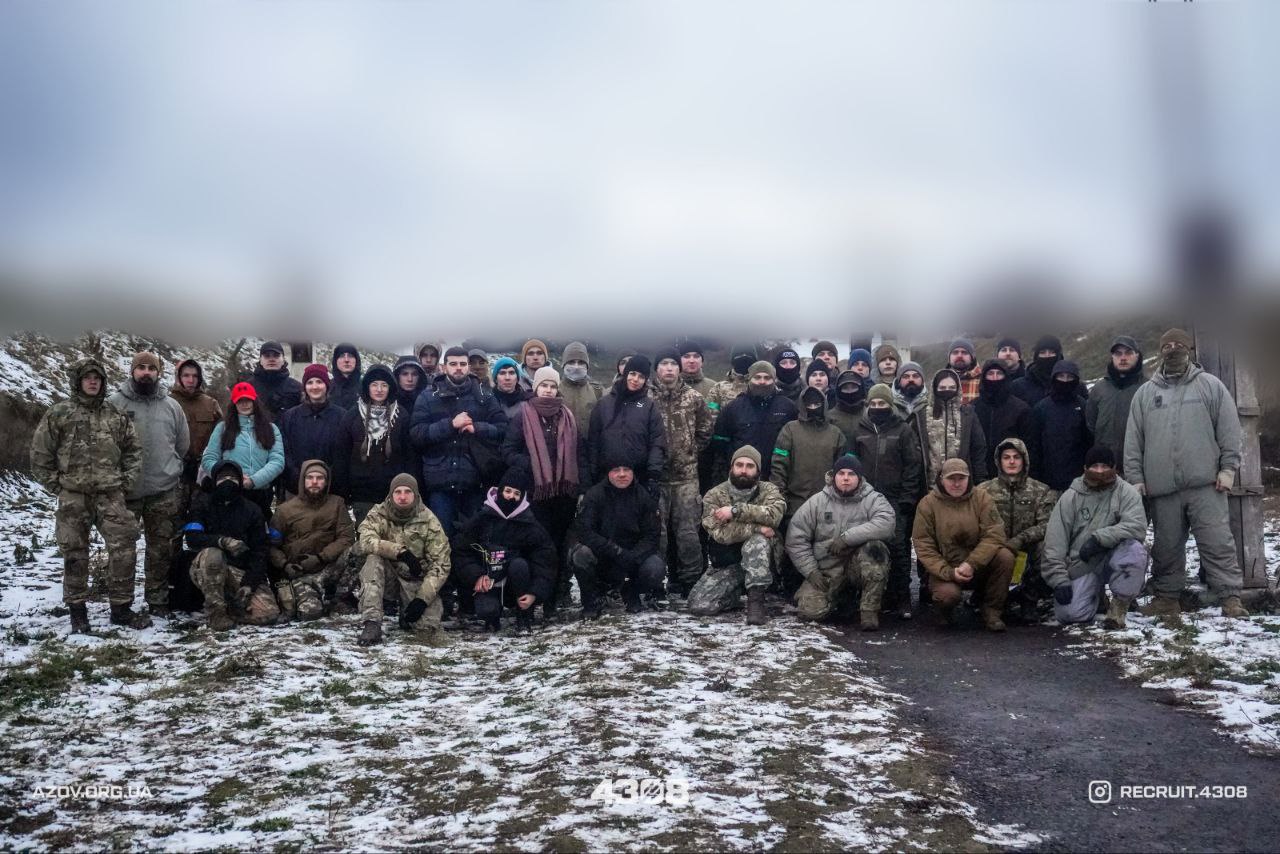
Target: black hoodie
pixel 345 389
pixel 1002 414
pixel 238 518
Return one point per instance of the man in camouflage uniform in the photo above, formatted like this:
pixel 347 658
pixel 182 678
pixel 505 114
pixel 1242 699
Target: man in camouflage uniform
pixel 408 552
pixel 688 423
pixel 691 368
pixel 741 517
pixel 316 538
pixel 156 497
pixel 838 541
pixel 734 384
pixel 86 452
pixel 1025 505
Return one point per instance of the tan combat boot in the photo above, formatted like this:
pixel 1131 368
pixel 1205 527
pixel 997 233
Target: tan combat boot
pixel 219 621
pixel 1233 607
pixel 1116 612
pixel 1165 608
pixel 870 621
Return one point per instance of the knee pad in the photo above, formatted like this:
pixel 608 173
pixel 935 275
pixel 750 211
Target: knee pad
pixel 877 551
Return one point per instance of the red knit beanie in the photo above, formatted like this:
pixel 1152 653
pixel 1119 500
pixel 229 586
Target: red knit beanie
pixel 319 372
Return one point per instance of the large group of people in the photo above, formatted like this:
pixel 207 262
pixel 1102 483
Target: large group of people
pixel 449 487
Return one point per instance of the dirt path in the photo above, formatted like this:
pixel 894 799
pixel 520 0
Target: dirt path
pixel 1029 728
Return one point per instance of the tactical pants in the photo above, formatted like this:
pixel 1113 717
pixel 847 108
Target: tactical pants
pixel 77 513
pixel 992 581
pixel 517 583
pixel 596 575
pixel 1123 569
pixel 219 580
pixel 309 589
pixel 865 569
pixel 379 576
pixel 1203 513
pixel 680 515
pixel 159 514
pixel 720 588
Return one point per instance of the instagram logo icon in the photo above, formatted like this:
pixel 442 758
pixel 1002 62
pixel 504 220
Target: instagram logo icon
pixel 1100 792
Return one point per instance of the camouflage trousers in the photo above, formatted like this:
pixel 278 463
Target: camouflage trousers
pixel 159 514
pixel 864 569
pixel 77 513
pixel 302 596
pixel 680 515
pixel 219 581
pixel 721 587
pixel 380 576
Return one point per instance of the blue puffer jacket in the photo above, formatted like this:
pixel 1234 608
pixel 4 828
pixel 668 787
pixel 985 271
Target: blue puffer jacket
pixel 262 465
pixel 447 464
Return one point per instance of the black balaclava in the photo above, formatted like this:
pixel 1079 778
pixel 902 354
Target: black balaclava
pixel 880 417
pixel 814 403
pixel 786 376
pixel 1064 392
pixel 1043 368
pixel 515 477
pixel 994 392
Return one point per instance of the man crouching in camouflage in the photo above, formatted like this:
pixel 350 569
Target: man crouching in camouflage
pixel 741 517
pixel 317 535
pixel 837 540
pixel 85 451
pixel 229 536
pixel 408 550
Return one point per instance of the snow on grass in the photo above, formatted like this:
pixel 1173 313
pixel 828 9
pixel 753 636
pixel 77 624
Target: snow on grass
pixel 294 735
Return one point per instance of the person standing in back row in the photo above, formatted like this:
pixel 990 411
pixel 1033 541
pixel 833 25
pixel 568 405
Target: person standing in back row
pixel 1107 412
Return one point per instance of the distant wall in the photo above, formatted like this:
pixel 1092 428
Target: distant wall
pixel 18 420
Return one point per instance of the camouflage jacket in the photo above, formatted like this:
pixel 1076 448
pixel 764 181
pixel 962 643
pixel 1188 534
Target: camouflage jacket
pixel 688 423
pixel 1025 504
pixel 726 392
pixel 764 506
pixel 383 535
pixel 85 444
pixel 700 383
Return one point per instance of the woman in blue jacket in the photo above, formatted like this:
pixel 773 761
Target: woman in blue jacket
pixel 248 437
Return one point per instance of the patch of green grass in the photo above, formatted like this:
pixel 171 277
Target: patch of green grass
pixel 238 664
pixel 1193 664
pixel 48 677
pixel 226 790
pixel 337 688
pixel 272 825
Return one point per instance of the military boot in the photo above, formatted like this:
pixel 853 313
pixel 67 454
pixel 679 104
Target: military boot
pixel 370 634
pixel 524 621
pixel 344 605
pixel 1233 607
pixel 870 621
pixel 79 619
pixel 123 615
pixel 1116 612
pixel 1164 607
pixel 991 618
pixel 756 615
pixel 219 621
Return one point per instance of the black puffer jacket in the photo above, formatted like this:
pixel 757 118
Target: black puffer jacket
pixel 613 519
pixel 1002 414
pixel 519 536
pixel 890 456
pixel 447 460
pixel 277 391
pixel 238 518
pixel 754 421
pixel 625 427
pixel 1060 438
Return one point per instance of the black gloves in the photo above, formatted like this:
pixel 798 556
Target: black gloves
pixel 410 560
pixel 414 610
pixel 1091 548
pixel 1062 594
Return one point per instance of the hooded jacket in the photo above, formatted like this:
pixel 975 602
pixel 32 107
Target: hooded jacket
pixel 1182 433
pixel 1106 413
pixel 344 389
pixel 1060 436
pixel 203 414
pixel 804 452
pixel 953 432
pixel 625 427
pixel 310 432
pixel 408 399
pixel 890 456
pixel 315 532
pixel 518 535
pixel 385 532
pixel 686 423
pixel 613 519
pixel 277 391
pixel 239 518
pixel 581 396
pixel 1002 414
pixel 1034 385
pixel 85 444
pixel 882 352
pixel 448 462
pixel 363 469
pixel 263 465
pixel 1112 514
pixel 951 531
pixel 754 421
pixel 162 432
pixel 855 520
pixel 843 415
pixel 1023 502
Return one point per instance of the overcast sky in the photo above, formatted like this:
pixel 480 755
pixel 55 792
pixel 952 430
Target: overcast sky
pixel 439 167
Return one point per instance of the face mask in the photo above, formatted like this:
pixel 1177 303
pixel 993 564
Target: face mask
pixel 742 364
pixel 995 388
pixel 1063 391
pixel 851 398
pixel 1176 361
pixel 788 375
pixel 225 490
pixel 880 417
pixel 814 412
pixel 1098 481
pixel 946 395
pixel 507 505
pixel 742 481
pixel 577 373
pixel 1045 364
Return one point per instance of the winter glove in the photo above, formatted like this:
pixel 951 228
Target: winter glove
pixel 838 546
pixel 414 610
pixel 232 546
pixel 410 560
pixel 292 571
pixel 1062 594
pixel 1090 549
pixel 309 563
pixel 818 581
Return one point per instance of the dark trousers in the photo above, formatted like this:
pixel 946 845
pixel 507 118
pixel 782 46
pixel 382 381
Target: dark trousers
pixel 519 582
pixel 595 576
pixel 556 516
pixel 451 508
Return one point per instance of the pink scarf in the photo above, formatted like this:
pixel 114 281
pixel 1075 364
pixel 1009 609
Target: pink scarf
pixel 564 479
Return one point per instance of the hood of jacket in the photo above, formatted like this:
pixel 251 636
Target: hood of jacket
pixel 517 515
pixel 333 361
pixel 177 389
pixel 302 477
pixel 1021 447
pixel 77 372
pixel 378 372
pixel 809 395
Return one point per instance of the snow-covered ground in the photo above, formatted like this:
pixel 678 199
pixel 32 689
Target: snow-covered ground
pixel 1229 669
pixel 294 735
